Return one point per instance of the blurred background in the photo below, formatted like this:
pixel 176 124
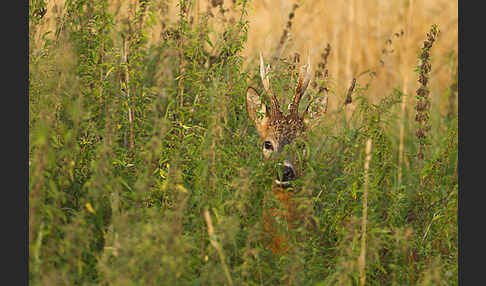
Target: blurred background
pixel 378 38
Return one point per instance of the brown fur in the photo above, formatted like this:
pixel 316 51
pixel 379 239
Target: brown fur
pixel 278 242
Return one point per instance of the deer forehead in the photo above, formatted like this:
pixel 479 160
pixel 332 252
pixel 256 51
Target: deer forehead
pixel 284 131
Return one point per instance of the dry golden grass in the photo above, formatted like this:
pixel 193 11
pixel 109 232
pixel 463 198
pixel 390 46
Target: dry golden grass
pixel 358 32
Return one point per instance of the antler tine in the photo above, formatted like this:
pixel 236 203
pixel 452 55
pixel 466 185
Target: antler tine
pixel 274 105
pixel 303 83
pixel 264 76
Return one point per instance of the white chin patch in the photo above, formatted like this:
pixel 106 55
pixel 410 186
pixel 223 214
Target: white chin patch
pixel 282 183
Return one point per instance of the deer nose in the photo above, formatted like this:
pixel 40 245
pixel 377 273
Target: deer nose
pixel 287 173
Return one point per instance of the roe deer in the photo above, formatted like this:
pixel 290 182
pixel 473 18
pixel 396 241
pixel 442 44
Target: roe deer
pixel 278 131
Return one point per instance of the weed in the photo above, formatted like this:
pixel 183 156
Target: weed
pixel 144 167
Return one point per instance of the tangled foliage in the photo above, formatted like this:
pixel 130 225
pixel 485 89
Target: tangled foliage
pixel 130 142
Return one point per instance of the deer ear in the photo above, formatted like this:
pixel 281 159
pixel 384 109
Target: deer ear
pixel 316 109
pixel 257 111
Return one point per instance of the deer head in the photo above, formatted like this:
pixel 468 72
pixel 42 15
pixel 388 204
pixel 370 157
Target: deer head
pixel 278 130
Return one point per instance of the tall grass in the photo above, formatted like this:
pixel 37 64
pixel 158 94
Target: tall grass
pixel 144 168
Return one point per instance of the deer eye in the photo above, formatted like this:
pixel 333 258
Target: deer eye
pixel 268 145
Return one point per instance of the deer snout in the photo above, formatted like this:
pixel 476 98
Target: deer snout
pixel 285 174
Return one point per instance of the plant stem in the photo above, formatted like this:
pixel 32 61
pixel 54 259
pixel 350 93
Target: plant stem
pixel 216 245
pixel 405 91
pixel 362 256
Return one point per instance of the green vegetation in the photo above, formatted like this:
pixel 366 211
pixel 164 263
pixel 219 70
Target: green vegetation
pixel 131 141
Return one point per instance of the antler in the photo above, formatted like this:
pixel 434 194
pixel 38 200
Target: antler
pixel 274 105
pixel 303 83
